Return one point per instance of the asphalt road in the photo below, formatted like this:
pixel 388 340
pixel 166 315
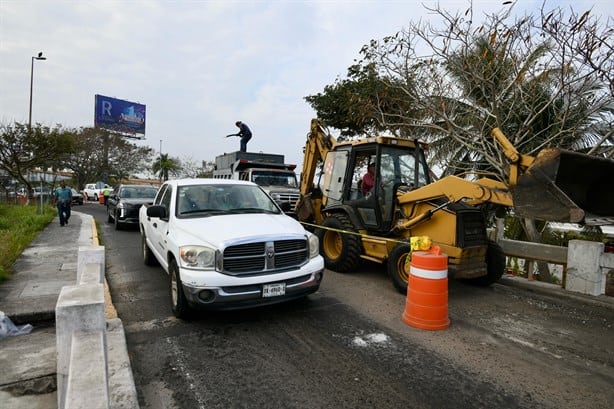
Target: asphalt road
pixel 347 346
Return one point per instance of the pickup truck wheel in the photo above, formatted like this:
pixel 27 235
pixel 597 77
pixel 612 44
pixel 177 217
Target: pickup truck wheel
pixel 495 266
pixel 341 251
pixel 178 301
pixel 95 197
pixel 148 257
pixel 398 270
pixel 109 218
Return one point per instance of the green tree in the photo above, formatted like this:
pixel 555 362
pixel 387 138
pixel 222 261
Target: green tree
pixel 355 105
pixel 126 159
pixel 98 155
pixel 23 150
pixel 164 166
pixel 546 81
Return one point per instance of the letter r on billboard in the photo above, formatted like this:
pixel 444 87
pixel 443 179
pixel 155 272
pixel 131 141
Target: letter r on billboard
pixel 106 108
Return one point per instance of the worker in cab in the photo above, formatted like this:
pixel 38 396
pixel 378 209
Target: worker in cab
pixel 368 180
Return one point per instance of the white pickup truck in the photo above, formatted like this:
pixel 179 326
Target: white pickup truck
pixel 92 191
pixel 226 244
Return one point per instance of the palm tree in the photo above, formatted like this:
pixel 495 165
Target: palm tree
pixel 165 165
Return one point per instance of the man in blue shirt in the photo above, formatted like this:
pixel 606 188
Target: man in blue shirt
pixel 245 133
pixel 63 197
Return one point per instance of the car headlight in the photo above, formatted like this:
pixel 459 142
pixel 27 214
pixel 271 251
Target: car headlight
pixel 199 257
pixel 314 246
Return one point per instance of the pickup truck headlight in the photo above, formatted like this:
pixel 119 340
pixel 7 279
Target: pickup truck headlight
pixel 199 257
pixel 314 246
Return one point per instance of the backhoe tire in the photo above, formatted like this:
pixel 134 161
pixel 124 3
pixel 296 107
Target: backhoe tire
pixel 341 251
pixel 399 274
pixel 495 266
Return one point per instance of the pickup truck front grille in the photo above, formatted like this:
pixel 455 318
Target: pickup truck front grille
pixel 265 257
pixel 289 197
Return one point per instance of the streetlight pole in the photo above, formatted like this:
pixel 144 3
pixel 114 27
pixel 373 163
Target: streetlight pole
pixel 39 57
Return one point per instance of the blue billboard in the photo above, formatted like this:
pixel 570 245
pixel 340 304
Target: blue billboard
pixel 118 115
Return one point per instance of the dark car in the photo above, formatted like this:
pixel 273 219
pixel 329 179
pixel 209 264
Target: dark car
pixel 125 201
pixel 77 198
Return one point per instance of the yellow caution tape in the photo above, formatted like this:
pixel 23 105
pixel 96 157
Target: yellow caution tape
pixel 317 226
pixel 416 243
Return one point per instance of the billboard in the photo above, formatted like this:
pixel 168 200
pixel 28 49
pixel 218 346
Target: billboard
pixel 118 115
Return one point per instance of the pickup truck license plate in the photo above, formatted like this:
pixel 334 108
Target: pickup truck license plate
pixel 273 290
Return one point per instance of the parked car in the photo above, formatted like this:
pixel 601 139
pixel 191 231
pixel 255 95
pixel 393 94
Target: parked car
pixel 124 203
pixel 77 198
pixel 93 191
pixel 36 192
pixel 226 244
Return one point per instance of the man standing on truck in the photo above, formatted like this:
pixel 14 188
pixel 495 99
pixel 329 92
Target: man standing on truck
pixel 245 133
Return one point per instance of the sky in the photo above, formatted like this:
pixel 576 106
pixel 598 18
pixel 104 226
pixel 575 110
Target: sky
pixel 199 66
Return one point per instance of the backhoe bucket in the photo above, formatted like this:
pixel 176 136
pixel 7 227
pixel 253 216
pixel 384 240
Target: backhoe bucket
pixel 565 186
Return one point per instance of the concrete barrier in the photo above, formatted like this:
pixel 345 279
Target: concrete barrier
pixel 87 385
pixel 587 265
pixel 92 273
pixel 90 255
pixel 79 312
pixel 93 366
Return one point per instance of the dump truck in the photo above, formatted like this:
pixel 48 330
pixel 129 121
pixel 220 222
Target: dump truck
pixel 353 224
pixel 268 170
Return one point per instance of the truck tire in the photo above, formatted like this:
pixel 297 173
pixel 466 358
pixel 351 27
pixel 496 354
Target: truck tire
pixel 399 275
pixel 109 218
pixel 95 197
pixel 341 251
pixel 148 257
pixel 179 303
pixel 495 266
pixel 116 222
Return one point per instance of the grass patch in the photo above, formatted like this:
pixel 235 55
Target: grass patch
pixel 19 226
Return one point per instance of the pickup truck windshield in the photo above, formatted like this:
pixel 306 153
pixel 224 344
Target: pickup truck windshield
pixel 271 178
pixel 209 200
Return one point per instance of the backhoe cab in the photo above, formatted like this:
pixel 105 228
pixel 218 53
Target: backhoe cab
pixel 355 223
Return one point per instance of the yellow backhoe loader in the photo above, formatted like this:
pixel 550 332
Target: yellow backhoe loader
pixel 355 223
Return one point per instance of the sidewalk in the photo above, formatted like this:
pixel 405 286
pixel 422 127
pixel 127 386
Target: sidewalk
pixel 28 362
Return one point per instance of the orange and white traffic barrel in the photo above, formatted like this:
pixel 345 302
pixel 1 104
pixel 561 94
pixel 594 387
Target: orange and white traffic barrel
pixel 426 306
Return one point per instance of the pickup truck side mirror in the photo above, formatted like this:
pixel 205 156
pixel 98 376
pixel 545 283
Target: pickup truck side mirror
pixel 157 211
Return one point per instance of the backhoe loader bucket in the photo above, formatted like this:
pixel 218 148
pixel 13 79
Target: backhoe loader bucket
pixel 567 186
